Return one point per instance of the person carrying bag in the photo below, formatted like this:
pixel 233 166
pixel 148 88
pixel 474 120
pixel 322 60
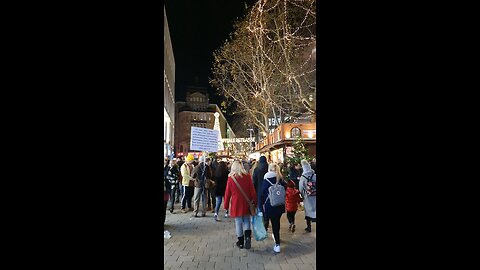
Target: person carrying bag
pixel 240 199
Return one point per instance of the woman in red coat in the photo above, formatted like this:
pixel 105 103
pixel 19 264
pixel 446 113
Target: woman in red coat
pixel 239 207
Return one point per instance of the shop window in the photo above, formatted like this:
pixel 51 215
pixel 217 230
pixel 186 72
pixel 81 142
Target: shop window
pixel 296 132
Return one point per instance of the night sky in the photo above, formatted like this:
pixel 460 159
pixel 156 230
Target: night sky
pixel 197 29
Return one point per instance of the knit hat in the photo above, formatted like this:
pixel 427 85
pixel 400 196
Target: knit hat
pixel 189 157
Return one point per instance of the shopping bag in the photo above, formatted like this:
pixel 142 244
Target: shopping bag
pixel 258 228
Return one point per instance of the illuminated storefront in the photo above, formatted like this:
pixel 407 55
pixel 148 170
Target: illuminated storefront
pixel 278 144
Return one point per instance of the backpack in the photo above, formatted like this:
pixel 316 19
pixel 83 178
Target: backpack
pixel 276 194
pixel 311 185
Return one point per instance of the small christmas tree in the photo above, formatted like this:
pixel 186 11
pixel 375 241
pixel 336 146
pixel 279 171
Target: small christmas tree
pixel 299 152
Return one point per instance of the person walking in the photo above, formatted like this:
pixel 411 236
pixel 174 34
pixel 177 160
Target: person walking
pixel 179 189
pixel 172 177
pixel 253 167
pixel 294 174
pixel 166 195
pixel 292 199
pixel 209 191
pixel 201 173
pixel 187 183
pixel 258 174
pixel 308 183
pixel 272 213
pixel 239 186
pixel 221 177
pixel 313 164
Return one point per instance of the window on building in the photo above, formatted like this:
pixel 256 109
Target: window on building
pixel 296 132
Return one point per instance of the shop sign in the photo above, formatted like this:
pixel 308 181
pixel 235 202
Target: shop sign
pixel 238 140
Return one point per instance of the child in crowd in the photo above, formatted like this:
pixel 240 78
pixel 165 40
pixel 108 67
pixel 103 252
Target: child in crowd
pixel 292 199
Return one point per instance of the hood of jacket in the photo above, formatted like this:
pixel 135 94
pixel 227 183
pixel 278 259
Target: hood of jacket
pixel 262 159
pixel 270 175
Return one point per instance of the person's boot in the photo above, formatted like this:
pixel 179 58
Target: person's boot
pixel 248 239
pixel 240 242
pixel 309 226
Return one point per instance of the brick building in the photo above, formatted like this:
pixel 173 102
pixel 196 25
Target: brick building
pixel 196 111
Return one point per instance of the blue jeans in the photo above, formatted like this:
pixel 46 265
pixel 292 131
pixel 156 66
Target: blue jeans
pixel 242 223
pixel 217 203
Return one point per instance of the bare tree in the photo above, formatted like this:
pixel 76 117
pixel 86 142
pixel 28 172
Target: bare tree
pixel 267 68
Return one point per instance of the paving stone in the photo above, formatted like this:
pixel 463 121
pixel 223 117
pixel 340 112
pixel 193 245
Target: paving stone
pixel 232 259
pixel 180 253
pixel 238 265
pixel 284 266
pixel 223 265
pixel 201 258
pixel 275 266
pixel 294 260
pixel 306 266
pixel 207 265
pixel 189 264
pixel 167 252
pixel 185 258
pixel 217 259
pixel 170 258
pixel 173 264
pixel 255 266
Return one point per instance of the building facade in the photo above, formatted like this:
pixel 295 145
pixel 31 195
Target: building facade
pixel 278 144
pixel 196 111
pixel 168 91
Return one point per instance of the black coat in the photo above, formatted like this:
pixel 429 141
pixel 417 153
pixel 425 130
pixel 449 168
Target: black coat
pixel 258 174
pixel 220 184
pixel 293 174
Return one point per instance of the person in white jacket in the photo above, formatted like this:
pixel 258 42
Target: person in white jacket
pixel 309 202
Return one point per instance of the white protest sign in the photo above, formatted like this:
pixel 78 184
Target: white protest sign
pixel 204 139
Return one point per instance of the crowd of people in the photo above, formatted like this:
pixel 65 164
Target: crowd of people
pixel 267 187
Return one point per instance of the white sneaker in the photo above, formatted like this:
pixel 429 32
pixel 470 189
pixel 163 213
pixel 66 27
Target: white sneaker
pixel 226 215
pixel 276 248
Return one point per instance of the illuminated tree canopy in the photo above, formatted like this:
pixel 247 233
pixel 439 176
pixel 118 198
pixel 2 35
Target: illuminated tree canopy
pixel 267 67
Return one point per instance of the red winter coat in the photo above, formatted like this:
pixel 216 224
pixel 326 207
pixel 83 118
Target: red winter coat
pixel 239 206
pixel 292 199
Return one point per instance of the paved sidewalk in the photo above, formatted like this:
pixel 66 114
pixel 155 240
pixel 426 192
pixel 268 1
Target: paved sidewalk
pixel 202 243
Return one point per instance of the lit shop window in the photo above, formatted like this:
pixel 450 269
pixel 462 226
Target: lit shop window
pixel 295 132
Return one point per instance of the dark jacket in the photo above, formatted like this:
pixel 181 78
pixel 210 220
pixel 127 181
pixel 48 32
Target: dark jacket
pixel 268 209
pixel 258 174
pixel 200 173
pixel 293 174
pixel 220 184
